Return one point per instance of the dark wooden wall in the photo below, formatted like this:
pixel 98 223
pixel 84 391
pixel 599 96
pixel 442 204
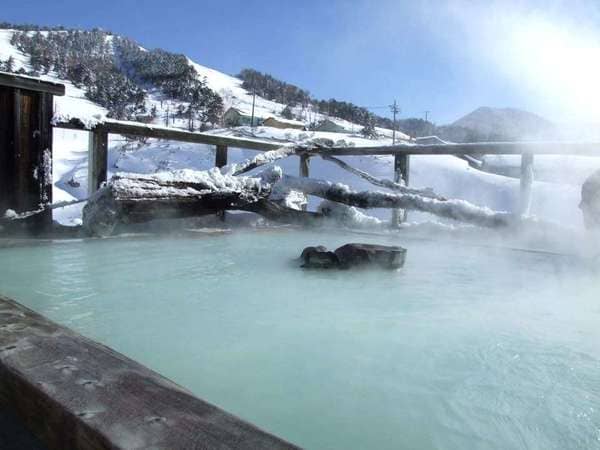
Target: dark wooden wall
pixel 26 153
pixel 6 142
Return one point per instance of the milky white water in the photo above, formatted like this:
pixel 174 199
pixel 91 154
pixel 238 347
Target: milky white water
pixel 466 347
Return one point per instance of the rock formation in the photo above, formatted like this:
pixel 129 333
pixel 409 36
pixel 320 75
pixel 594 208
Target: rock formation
pixel 354 255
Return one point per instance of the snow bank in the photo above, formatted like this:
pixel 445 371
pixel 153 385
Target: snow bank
pixel 349 216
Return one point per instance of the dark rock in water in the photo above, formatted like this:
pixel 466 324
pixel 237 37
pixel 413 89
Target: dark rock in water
pixel 590 201
pixel 308 250
pixel 354 255
pixel 383 256
pixel 318 258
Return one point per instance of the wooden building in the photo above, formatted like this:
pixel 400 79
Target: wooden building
pixel 278 122
pixel 331 126
pixel 236 117
pixel 26 109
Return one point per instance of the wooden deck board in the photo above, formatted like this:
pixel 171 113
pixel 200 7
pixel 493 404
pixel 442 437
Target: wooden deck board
pixel 75 393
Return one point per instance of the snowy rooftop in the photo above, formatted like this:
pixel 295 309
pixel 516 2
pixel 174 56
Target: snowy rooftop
pixel 286 121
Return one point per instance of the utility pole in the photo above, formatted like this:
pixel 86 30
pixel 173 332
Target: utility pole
pixel 430 128
pixel 395 110
pixel 253 101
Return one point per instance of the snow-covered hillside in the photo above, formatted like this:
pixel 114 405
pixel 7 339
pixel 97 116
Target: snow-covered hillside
pixel 555 199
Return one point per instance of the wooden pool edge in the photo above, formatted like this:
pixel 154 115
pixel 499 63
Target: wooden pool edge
pixel 72 392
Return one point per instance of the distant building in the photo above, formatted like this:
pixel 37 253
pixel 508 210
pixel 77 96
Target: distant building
pixel 386 132
pixel 278 122
pixel 331 127
pixel 235 117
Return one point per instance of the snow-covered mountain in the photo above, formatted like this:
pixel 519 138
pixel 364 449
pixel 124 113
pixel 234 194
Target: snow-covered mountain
pixel 507 123
pixel 447 175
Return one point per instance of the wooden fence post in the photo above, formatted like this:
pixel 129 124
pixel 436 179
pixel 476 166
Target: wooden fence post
pixel 526 183
pixel 401 174
pixel 304 166
pixel 221 161
pixel 304 170
pixel 97 159
pixel 221 156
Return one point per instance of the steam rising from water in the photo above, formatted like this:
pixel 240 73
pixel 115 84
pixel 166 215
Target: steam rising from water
pixel 550 51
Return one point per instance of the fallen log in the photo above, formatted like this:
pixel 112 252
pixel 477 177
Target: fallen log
pixel 455 209
pixel 131 198
pixel 135 198
pixel 259 160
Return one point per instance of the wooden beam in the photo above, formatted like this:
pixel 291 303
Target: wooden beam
pixel 221 156
pixel 30 84
pixel 304 171
pixel 97 159
pixel 382 182
pixel 474 148
pixel 74 393
pixel 526 183
pixel 160 132
pixel 401 174
pixel 221 161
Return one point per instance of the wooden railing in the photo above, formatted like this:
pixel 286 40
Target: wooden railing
pixel 98 150
pixel 98 147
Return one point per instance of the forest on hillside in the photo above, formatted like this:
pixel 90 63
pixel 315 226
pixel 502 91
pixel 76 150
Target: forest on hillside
pixel 292 96
pixel 117 73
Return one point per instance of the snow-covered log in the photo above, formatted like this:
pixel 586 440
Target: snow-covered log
pixel 382 182
pixel 460 210
pixel 132 198
pixel 259 160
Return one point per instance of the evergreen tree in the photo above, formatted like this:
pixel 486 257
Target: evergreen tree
pixel 368 129
pixel 287 113
pixel 9 64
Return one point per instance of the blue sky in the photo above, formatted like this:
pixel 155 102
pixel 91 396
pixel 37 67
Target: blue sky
pixel 447 57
